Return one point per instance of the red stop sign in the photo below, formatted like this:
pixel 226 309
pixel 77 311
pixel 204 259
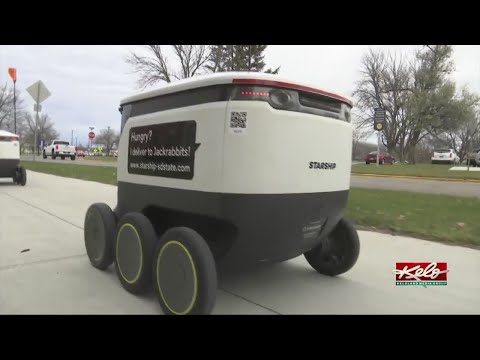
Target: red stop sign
pixel 91 135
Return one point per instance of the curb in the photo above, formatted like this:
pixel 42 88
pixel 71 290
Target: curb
pixel 417 177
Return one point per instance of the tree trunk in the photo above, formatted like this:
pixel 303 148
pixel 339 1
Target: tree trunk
pixel 391 148
pixel 401 155
pixel 411 154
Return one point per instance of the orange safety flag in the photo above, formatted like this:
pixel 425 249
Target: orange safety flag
pixel 13 73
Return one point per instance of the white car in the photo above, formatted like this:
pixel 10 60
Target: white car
pixel 445 156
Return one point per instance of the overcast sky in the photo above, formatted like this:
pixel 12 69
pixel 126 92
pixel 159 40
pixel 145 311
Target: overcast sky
pixel 88 82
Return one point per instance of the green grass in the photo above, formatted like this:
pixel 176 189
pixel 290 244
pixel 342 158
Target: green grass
pixel 427 170
pixel 435 217
pixel 101 174
pixel 101 158
pixel 429 216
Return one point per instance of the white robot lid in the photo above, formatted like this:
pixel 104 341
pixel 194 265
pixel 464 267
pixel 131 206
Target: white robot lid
pixel 6 133
pixel 247 78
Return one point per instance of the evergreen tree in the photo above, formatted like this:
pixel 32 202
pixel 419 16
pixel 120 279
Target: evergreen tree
pixel 238 58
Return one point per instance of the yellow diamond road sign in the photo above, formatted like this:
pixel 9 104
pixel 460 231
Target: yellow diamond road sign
pixel 38 92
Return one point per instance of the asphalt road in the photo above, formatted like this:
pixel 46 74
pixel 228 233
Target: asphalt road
pixel 456 188
pixel 44 268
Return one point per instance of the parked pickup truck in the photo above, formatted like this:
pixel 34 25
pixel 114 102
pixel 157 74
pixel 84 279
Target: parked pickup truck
pixel 60 148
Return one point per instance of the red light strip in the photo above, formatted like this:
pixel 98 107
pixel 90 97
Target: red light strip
pixel 254 93
pixel 290 86
pixel 8 138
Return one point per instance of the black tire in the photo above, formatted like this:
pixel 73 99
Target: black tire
pixel 72 157
pixel 184 273
pixel 338 252
pixel 133 259
pixel 22 176
pixel 99 234
pixel 44 154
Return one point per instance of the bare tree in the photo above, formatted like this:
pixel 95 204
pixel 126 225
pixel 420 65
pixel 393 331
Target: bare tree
pixel 46 129
pixel 6 105
pixel 463 139
pixel 154 67
pixel 360 134
pixel 425 147
pixel 107 137
pixel 192 59
pixel 7 110
pixel 418 98
pixel 466 137
pixel 385 82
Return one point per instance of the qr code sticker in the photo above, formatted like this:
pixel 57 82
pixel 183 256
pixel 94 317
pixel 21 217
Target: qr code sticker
pixel 238 120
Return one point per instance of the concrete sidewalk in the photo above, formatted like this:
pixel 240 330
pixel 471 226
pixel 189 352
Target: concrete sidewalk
pixel 44 268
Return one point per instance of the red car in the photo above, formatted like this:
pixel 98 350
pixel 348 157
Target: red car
pixel 384 158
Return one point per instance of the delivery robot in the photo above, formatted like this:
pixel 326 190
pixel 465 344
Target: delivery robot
pixel 230 168
pixel 10 158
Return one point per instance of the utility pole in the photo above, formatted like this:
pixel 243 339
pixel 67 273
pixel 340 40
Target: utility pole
pixel 13 74
pixel 36 123
pixel 109 145
pixel 14 108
